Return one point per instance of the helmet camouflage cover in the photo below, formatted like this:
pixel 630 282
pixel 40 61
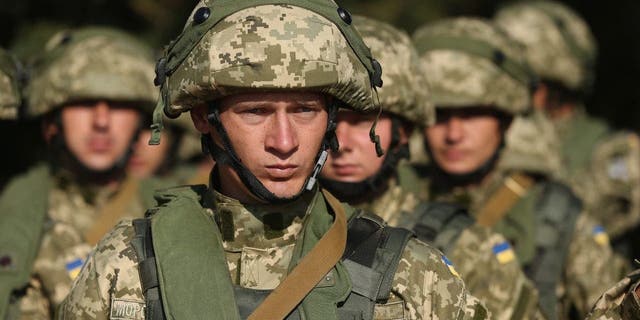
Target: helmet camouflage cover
pixel 231 46
pixel 9 89
pixel 92 63
pixel 558 43
pixel 470 62
pixel 405 91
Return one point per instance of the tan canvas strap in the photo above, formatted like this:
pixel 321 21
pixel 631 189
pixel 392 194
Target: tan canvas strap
pixel 311 269
pixel 112 211
pixel 514 187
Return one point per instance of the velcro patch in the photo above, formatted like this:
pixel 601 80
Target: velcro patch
pixel 73 267
pixel 450 266
pixel 600 236
pixel 126 310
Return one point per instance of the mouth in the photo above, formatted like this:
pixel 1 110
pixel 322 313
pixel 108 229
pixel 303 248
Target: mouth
pixel 345 169
pixel 99 144
pixel 281 171
pixel 454 154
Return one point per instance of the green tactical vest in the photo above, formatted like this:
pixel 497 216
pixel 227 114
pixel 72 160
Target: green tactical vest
pixel 540 228
pixel 23 209
pixel 579 139
pixel 170 285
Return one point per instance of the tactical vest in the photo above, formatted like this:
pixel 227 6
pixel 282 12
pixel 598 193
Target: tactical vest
pixel 23 208
pixel 439 224
pixel 371 258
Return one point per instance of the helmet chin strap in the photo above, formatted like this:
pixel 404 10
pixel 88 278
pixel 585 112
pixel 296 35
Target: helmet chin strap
pixel 227 155
pixel 371 187
pixel 63 158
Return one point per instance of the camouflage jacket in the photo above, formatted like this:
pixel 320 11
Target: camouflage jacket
pixel 493 276
pixel 72 211
pixel 621 301
pixel 108 287
pixel 589 252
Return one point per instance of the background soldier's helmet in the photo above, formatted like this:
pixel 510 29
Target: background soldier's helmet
pixel 89 64
pixel 559 45
pixel 405 91
pixel 225 50
pixel 470 62
pixel 10 98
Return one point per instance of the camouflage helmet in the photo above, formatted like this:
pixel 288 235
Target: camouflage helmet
pixel 405 91
pixel 10 98
pixel 230 46
pixel 558 43
pixel 91 63
pixel 470 62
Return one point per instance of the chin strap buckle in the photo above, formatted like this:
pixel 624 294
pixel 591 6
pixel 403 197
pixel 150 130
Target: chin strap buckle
pixel 316 170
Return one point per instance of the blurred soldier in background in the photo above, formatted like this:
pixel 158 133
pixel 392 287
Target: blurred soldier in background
pixel 390 188
pixel 90 89
pixel 479 82
pixel 602 166
pixel 265 242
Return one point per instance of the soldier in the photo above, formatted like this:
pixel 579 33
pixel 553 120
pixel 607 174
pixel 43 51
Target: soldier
pixel 89 90
pixel 10 99
pixel 479 82
pixel 600 164
pixel 622 301
pixel 390 188
pixel 263 82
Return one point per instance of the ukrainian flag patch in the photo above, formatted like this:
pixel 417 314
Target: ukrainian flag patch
pixel 450 266
pixel 600 236
pixel 73 268
pixel 503 252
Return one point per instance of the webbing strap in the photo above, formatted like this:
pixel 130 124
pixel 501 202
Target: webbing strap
pixel 513 189
pixel 481 49
pixel 311 269
pixel 112 211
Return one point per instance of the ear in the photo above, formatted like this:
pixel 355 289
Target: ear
pixel 540 96
pixel 49 130
pixel 199 118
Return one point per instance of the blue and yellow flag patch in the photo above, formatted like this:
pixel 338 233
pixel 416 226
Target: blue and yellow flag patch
pixel 503 252
pixel 450 266
pixel 600 236
pixel 73 268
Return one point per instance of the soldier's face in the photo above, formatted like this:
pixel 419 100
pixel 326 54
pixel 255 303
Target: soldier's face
pixel 147 159
pixel 276 136
pixel 356 159
pixel 99 133
pixel 464 139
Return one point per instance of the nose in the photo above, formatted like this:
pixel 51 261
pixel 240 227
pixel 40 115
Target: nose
pixel 101 115
pixel 282 137
pixel 344 136
pixel 454 129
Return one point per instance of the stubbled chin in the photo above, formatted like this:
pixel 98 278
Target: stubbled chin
pixel 285 189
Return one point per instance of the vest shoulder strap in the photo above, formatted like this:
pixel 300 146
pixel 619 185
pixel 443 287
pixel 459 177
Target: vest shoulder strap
pixel 513 188
pixel 23 208
pixel 557 210
pixel 440 224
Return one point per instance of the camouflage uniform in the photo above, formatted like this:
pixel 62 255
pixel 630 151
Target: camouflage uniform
pixel 502 286
pixel 464 75
pixel 10 98
pixel 272 47
pixel 621 301
pixel 561 49
pixel 90 63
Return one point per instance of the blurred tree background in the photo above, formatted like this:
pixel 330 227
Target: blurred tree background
pixel 26 24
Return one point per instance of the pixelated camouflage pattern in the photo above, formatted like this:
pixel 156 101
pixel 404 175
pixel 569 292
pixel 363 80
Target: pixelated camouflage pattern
pixel 498 285
pixel 88 64
pixel 619 302
pixel 10 98
pixel 459 79
pixel 578 288
pixel 610 184
pixel 73 210
pixel 539 26
pixel 532 145
pixel 270 47
pixel 405 91
pixel 423 286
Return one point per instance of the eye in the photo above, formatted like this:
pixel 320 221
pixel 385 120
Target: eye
pixel 256 110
